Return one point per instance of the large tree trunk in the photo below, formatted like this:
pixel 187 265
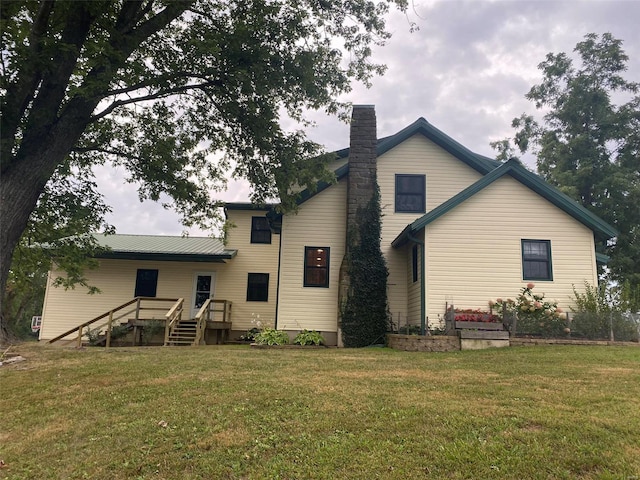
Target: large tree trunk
pixel 20 187
pixel 36 107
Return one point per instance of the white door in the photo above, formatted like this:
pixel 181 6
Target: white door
pixel 203 287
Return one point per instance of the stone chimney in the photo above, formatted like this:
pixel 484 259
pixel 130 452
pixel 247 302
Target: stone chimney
pixel 362 161
pixel 361 186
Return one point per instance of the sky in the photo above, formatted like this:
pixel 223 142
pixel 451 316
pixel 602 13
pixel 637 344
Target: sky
pixel 466 70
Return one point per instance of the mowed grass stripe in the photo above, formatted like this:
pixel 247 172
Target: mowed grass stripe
pixel 240 413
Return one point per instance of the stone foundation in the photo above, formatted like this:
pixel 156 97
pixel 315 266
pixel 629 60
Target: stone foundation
pixel 419 343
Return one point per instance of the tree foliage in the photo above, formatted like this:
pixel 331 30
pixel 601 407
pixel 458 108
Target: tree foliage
pixel 588 142
pixel 160 86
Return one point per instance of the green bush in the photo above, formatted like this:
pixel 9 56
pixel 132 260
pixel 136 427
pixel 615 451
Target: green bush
pixel 96 335
pixel 306 337
pixel 249 335
pixel 271 336
pixel 597 315
pixel 536 315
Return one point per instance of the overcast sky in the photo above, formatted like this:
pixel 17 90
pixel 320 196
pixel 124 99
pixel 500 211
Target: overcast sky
pixel 466 70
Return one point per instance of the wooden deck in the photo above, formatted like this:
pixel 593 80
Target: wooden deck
pixel 218 328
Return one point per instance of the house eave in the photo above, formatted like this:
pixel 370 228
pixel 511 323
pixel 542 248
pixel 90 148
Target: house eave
pixel 516 170
pixel 170 257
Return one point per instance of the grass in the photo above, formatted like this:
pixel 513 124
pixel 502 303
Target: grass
pixel 240 413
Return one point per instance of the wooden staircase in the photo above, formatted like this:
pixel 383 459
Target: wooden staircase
pixel 184 332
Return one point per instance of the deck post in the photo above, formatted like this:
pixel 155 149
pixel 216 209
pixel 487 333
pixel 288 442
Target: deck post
pixel 138 308
pixel 108 342
pixel 79 340
pixel 514 324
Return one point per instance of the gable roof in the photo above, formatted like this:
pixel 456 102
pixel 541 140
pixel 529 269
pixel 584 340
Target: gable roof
pixel 156 247
pixel 480 163
pixel 516 170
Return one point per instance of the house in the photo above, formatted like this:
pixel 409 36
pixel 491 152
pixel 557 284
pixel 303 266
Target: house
pixel 457 228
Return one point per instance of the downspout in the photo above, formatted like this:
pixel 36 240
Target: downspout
pixel 275 322
pixel 423 312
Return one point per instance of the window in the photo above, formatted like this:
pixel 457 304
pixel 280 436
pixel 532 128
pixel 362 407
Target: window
pixel 414 262
pixel 316 266
pixel 536 260
pixel 260 230
pixel 410 193
pixel 146 283
pixel 258 287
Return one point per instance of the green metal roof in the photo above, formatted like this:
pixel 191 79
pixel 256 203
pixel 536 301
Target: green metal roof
pixel 516 170
pixel 167 248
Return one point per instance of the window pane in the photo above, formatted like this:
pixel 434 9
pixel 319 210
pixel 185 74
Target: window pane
pixel 260 230
pixel 201 297
pixel 410 193
pixel 316 263
pixel 316 276
pixel 146 283
pixel 409 203
pixel 316 257
pixel 258 287
pixel 536 260
pixel 410 184
pixel 204 283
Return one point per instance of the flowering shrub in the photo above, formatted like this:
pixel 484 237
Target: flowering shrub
pixel 266 334
pixel 536 315
pixel 470 315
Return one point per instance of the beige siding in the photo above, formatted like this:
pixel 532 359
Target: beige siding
pixel 474 251
pixel 251 258
pixel 413 289
pixel 446 176
pixel 320 222
pixel 116 279
pixel 65 309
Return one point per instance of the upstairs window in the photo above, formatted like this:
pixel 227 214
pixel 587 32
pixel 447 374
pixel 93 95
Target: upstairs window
pixel 146 283
pixel 316 266
pixel 260 230
pixel 258 287
pixel 536 260
pixel 410 193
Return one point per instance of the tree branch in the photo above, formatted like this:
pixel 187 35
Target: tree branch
pixel 153 96
pixel 20 93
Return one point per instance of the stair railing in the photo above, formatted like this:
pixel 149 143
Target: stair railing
pixel 111 316
pixel 172 318
pixel 203 315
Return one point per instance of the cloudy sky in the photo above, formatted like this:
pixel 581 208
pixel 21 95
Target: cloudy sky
pixel 466 70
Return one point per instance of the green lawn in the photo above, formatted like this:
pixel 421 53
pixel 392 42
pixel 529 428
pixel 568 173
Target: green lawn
pixel 240 413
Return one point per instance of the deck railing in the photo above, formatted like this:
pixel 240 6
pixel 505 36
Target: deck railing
pixel 207 314
pixel 126 310
pixel 172 318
